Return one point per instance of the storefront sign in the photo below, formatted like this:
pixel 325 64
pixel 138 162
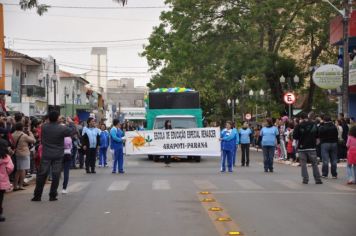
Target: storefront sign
pixel 192 142
pixel 134 113
pixel 328 76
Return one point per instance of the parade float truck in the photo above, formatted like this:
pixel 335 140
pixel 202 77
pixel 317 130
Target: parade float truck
pixel 179 105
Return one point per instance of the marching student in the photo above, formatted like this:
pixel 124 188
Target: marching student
pixel 104 144
pixel 91 142
pixel 228 143
pixel 245 140
pixel 117 139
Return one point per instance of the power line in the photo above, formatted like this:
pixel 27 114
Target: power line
pixel 71 63
pixel 104 71
pixel 95 7
pixel 58 41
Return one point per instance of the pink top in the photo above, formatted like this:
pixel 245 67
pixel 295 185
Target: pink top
pixel 351 141
pixel 6 167
pixel 67 145
pixel 351 150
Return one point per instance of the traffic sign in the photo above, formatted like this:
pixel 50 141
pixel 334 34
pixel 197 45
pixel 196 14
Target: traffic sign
pixel 248 116
pixel 289 98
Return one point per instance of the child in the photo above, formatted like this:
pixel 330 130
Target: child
pixel 6 167
pixel 351 155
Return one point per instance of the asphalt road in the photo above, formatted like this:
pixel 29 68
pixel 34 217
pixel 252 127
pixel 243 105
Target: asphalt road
pixel 153 200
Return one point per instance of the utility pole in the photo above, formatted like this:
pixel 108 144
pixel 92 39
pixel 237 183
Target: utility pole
pixel 345 75
pixel 65 101
pixel 54 82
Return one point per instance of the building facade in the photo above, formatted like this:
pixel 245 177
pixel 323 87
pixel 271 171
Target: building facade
pixel 33 83
pixel 73 94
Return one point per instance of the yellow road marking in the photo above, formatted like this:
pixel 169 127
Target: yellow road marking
pixel 220 218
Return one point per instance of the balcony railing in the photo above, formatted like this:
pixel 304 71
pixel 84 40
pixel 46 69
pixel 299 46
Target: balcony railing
pixel 33 91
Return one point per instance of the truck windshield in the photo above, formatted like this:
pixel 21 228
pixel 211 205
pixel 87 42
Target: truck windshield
pixel 177 122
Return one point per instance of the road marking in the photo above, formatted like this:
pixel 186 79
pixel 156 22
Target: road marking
pixel 289 184
pixel 120 185
pixel 204 184
pixel 248 184
pixel 77 187
pixel 161 185
pixel 221 219
pixel 341 187
pixel 132 163
pixel 285 192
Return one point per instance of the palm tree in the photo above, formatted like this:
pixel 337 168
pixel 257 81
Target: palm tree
pixel 42 8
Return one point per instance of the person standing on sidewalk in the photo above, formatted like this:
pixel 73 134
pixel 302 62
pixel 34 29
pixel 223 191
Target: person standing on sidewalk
pixel 117 139
pixel 22 152
pixel 67 162
pixel 53 135
pixel 306 134
pixel 91 143
pixel 6 167
pixel 245 140
pixel 270 138
pixel 228 142
pixel 351 155
pixel 328 136
pixel 104 144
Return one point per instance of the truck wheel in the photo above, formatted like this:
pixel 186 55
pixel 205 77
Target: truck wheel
pixel 150 157
pixel 197 158
pixel 156 158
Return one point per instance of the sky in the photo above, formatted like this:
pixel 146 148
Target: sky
pixel 129 27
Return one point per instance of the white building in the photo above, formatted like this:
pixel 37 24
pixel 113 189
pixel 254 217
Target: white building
pixel 32 82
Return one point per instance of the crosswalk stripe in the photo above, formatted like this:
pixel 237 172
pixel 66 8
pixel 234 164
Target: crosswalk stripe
pixel 77 187
pixel 248 184
pixel 132 163
pixel 119 185
pixel 289 184
pixel 204 184
pixel 341 187
pixel 161 185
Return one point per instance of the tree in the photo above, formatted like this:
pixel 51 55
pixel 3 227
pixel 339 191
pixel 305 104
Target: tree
pixel 43 8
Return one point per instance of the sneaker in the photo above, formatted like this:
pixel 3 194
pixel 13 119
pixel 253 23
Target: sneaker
pixel 121 172
pixel 93 172
pixel 305 182
pixel 113 172
pixel 323 176
pixel 334 177
pixel 64 191
pixel 318 182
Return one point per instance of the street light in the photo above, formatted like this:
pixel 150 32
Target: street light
pixel 261 93
pixel 345 13
pixel 233 102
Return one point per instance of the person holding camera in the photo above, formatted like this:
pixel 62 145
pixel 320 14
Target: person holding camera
pixel 23 140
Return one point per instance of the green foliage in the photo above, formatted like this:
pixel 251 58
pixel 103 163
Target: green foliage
pixel 211 45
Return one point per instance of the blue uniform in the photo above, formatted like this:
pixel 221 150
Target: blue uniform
pixel 228 145
pixel 117 145
pixel 104 144
pixel 237 140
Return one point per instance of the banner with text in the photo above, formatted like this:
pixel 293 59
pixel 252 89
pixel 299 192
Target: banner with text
pixel 185 142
